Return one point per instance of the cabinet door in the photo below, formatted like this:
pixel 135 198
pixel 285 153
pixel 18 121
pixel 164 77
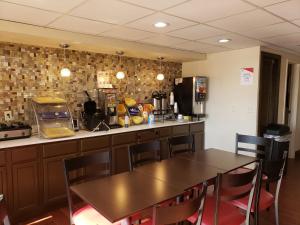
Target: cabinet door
pixel 25 188
pixel 54 181
pixel 3 182
pixel 164 148
pixel 199 141
pixel 181 130
pixel 120 159
pixel 147 135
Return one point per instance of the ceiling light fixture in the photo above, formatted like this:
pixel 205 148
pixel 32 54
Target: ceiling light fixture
pixel 65 72
pixel 224 40
pixel 120 74
pixel 161 24
pixel 160 76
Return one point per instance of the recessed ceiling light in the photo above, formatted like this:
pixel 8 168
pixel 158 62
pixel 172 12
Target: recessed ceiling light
pixel 224 40
pixel 160 24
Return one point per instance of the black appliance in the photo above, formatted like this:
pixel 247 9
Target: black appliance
pixel 190 93
pixel 281 140
pixel 15 130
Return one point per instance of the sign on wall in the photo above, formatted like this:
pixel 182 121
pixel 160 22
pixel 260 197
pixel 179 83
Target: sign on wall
pixel 247 76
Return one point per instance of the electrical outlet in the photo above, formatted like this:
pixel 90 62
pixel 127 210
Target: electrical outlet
pixel 8 116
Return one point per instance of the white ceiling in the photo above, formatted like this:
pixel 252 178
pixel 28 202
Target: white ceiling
pixel 194 25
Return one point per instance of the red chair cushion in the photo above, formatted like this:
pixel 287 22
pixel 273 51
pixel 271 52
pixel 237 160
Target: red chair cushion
pixel 89 216
pixel 266 200
pixel 228 214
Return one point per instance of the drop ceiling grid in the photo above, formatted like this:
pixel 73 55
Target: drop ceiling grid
pixel 245 6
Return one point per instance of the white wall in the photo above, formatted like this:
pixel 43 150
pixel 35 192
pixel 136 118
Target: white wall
pixel 231 107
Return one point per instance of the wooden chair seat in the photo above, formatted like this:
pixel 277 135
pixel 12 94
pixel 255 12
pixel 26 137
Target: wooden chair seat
pixel 266 200
pixel 89 216
pixel 228 214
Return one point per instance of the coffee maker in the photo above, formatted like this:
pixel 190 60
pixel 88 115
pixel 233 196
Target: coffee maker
pixel 108 101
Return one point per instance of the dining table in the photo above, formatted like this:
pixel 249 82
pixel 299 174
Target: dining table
pixel 122 195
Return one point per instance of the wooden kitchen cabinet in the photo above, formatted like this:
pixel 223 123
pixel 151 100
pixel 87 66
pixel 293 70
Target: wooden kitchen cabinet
pixel 54 190
pixel 26 180
pixel 3 174
pixel 54 180
pixel 181 130
pixel 164 135
pixel 3 182
pixel 198 131
pixel 32 177
pixel 26 191
pixel 120 145
pixel 147 135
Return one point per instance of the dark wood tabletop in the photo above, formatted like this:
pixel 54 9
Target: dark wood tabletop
pixel 119 196
pixel 180 172
pixel 223 160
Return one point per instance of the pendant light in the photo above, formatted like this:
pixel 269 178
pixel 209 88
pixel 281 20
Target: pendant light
pixel 65 72
pixel 120 74
pixel 160 76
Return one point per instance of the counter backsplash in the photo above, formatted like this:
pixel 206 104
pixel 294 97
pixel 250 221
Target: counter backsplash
pixel 26 71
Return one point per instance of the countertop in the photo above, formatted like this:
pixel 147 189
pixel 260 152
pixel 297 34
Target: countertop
pixel 87 134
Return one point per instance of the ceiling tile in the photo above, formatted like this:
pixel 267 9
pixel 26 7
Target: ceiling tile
pixel 23 14
pixel 286 40
pixel 203 10
pixel 289 10
pixel 80 25
pixel 264 2
pixel 110 11
pixel 163 40
pixel 272 30
pixel 246 21
pixel 127 34
pixel 147 23
pixel 236 42
pixel 62 6
pixel 156 4
pixel 196 32
pixel 200 47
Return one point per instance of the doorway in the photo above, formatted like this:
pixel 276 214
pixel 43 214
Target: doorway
pixel 288 95
pixel 268 90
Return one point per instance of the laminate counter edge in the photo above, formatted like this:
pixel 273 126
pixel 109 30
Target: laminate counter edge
pixel 34 140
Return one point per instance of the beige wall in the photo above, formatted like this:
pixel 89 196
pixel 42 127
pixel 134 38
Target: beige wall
pixel 231 107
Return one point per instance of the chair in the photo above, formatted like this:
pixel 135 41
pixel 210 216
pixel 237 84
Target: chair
pixel 263 151
pixel 4 219
pixel 180 143
pixel 180 212
pixel 218 210
pixel 140 154
pixel 263 145
pixel 76 171
pixel 263 198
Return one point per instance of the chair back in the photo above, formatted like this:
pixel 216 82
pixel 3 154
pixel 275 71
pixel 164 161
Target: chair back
pixel 180 212
pixel 4 219
pixel 181 144
pixel 262 144
pixel 274 169
pixel 232 186
pixel 143 153
pixel 84 168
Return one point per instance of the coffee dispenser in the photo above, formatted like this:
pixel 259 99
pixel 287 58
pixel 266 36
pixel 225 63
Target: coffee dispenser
pixel 190 93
